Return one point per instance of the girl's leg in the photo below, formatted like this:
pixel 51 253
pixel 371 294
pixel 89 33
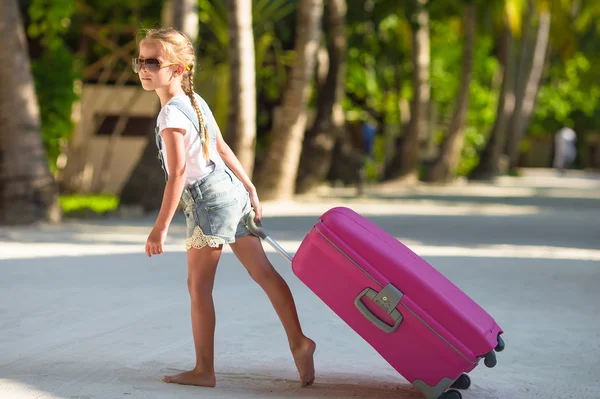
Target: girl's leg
pixel 202 267
pixel 250 252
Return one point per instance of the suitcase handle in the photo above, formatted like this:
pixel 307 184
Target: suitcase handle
pixel 256 229
pixel 387 299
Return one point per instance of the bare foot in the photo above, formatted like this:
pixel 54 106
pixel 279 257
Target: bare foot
pixel 192 377
pixel 303 357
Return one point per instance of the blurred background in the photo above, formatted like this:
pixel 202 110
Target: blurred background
pixel 306 92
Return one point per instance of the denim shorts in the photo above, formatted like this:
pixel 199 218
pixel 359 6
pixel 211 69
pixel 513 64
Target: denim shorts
pixel 215 209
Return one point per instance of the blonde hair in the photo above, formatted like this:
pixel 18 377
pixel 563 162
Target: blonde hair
pixel 177 48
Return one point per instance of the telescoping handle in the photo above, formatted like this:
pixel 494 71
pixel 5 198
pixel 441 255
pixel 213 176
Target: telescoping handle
pixel 256 229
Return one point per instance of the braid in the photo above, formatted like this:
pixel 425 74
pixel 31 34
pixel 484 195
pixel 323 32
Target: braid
pixel 189 90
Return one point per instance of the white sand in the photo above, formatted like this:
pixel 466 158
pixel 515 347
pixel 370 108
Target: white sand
pixel 85 314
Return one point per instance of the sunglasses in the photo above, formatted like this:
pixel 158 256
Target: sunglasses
pixel 151 64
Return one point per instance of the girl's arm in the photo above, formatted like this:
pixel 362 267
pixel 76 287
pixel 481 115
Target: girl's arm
pixel 232 161
pixel 174 187
pixel 236 167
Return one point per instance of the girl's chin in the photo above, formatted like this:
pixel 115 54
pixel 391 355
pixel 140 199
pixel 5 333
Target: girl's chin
pixel 147 84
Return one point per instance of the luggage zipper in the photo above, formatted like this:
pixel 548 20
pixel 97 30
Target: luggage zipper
pixel 401 303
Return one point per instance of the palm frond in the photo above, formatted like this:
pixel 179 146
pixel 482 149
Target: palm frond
pixel 215 19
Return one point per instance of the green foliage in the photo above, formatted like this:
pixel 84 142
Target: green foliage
pixel 145 13
pixel 570 87
pixel 378 70
pixel 56 25
pixel 570 92
pixel 378 60
pixel 53 72
pixel 446 63
pixel 373 166
pixel 96 203
pixel 446 60
pixel 54 77
pixel 49 20
pixel 273 45
pixel 482 105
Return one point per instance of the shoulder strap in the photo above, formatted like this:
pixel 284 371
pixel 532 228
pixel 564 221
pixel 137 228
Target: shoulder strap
pixel 189 112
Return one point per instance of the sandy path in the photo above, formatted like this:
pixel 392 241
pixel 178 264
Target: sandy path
pixel 84 314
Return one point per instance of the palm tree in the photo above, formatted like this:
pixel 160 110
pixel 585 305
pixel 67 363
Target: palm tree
pixel 522 78
pixel 489 165
pixel 317 150
pixel 558 25
pixel 443 168
pixel 528 82
pixel 515 21
pixel 28 191
pixel 215 18
pixel 241 125
pixel 405 163
pixel 281 165
pixel 182 14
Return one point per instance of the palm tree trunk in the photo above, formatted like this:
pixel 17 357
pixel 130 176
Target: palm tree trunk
pixel 445 165
pixel 281 166
pixel 317 150
pixel 28 192
pixel 406 162
pixel 525 102
pixel 489 159
pixel 183 15
pixel 241 124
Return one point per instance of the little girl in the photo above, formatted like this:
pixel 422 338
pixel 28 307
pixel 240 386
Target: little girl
pixel 204 172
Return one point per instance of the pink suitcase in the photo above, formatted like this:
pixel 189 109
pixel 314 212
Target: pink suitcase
pixel 422 324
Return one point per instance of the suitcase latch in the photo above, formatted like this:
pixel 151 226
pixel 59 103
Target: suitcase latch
pixel 388 298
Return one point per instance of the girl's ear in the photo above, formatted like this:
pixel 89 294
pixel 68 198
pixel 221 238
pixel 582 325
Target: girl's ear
pixel 179 69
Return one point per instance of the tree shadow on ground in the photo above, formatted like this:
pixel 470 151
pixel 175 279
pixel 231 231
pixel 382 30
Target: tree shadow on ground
pixel 540 197
pixel 571 230
pixel 465 230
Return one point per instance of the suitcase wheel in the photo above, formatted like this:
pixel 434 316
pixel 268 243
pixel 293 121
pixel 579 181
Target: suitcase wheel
pixel 490 359
pixel 462 382
pixel 451 394
pixel 500 346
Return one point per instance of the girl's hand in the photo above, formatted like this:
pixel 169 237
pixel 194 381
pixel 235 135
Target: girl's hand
pixel 155 241
pixel 256 205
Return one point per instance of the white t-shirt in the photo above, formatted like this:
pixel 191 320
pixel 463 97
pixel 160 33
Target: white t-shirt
pixel 196 165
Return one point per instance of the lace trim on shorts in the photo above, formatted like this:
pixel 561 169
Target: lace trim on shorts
pixel 199 240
